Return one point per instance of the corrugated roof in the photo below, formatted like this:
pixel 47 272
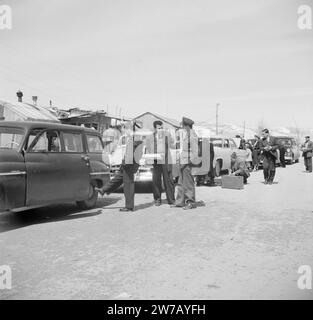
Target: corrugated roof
pixel 29 112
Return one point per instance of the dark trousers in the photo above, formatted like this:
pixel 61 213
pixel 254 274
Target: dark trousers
pixel 244 175
pixel 269 168
pixel 282 157
pixel 159 171
pixel 129 171
pixel 186 191
pixel 115 182
pixel 256 157
pixel 308 163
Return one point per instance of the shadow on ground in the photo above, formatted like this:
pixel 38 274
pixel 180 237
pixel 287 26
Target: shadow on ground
pixel 11 221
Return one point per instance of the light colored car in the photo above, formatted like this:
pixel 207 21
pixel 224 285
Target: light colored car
pixel 144 173
pixel 223 148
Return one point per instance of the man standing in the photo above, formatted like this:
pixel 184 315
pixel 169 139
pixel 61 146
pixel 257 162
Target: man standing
pixel 268 146
pixel 186 197
pixel 256 153
pixel 282 151
pixel 129 167
pixel 307 149
pixel 159 144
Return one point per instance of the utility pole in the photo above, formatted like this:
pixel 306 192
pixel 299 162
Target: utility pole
pixel 244 128
pixel 217 105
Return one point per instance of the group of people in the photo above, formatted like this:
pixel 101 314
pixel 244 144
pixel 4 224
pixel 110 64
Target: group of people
pixel 266 148
pixel 159 144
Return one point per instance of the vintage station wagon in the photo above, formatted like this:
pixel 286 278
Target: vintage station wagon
pixel 48 163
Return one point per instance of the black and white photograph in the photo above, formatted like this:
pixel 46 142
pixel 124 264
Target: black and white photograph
pixel 156 151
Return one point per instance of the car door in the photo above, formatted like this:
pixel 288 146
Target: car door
pixel 12 169
pixel 98 157
pixel 241 153
pixel 53 174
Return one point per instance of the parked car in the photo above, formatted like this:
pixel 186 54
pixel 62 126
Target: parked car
pixel 292 150
pixel 47 163
pixel 144 174
pixel 223 148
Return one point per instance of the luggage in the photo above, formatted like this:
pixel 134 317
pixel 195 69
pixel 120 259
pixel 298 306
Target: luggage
pixel 232 182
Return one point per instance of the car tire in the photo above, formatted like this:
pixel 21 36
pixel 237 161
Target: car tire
pixel 91 201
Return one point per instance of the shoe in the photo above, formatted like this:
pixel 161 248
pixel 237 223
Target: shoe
pixel 270 182
pixel 189 205
pixel 265 182
pixel 126 210
pixel 157 203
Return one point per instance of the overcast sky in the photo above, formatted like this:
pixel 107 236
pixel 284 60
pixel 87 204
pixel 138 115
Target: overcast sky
pixel 172 57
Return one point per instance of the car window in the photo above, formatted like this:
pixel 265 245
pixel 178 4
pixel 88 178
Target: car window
pixel 94 143
pixel 226 143
pixel 73 142
pixel 232 144
pixel 10 138
pixel 217 142
pixel 48 141
pixel 32 135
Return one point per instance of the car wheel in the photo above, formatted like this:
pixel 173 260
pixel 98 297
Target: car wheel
pixel 91 201
pixel 218 168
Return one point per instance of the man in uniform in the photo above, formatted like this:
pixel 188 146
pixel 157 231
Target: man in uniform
pixel 268 146
pixel 129 167
pixel 159 144
pixel 307 149
pixel 186 197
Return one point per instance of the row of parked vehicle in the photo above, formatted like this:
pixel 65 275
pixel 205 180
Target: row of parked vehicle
pixel 47 163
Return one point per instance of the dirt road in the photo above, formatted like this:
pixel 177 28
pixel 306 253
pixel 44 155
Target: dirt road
pixel 242 244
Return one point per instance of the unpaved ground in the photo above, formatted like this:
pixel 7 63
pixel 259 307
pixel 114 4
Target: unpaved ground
pixel 242 244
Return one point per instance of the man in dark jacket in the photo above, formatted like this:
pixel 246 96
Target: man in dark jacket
pixel 307 149
pixel 268 146
pixel 129 167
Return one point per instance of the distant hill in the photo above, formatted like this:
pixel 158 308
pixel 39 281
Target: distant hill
pixel 208 129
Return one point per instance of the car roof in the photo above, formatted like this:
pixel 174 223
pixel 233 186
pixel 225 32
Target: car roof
pixel 46 125
pixel 284 137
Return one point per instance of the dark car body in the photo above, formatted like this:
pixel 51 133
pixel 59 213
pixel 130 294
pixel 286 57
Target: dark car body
pixel 290 147
pixel 45 163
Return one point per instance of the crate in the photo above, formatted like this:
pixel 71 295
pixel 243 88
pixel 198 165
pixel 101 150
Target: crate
pixel 232 182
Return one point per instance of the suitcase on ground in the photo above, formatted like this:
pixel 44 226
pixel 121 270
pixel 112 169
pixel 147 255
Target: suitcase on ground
pixel 232 182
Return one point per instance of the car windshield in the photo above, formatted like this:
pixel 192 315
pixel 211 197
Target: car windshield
pixel 217 142
pixel 11 138
pixel 285 141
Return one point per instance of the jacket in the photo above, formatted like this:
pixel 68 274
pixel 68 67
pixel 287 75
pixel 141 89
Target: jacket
pixel 271 143
pixel 189 154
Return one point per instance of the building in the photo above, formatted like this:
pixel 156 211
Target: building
pixel 148 118
pixel 99 120
pixel 19 111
